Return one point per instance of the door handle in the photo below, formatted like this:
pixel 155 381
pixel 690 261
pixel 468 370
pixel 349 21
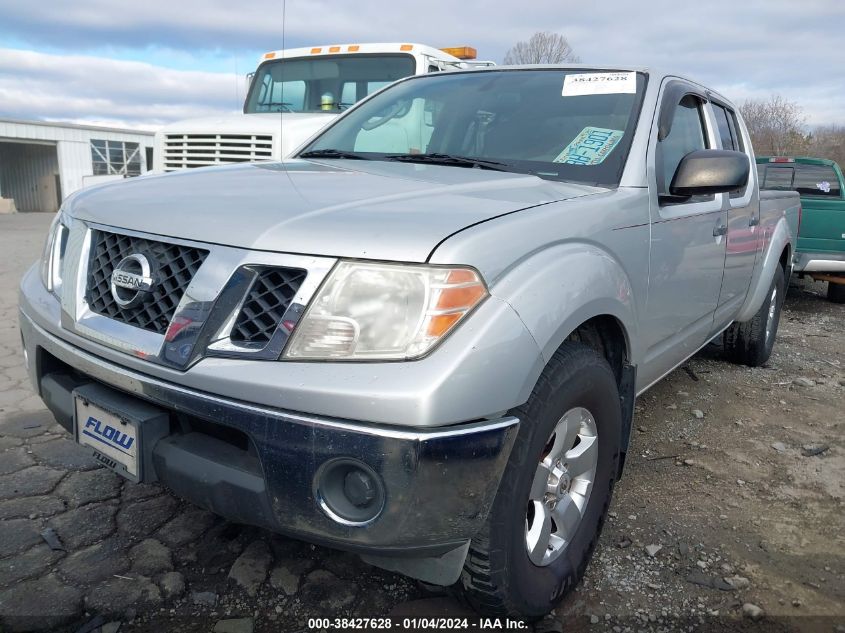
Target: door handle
pixel 720 229
pixel 754 220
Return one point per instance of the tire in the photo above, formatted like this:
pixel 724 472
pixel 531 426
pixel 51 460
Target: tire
pixel 499 577
pixel 835 292
pixel 751 342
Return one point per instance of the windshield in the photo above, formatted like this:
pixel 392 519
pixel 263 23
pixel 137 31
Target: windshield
pixel 567 124
pixel 323 84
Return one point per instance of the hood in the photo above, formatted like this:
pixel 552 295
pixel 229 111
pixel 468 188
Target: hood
pixel 341 208
pixel 295 127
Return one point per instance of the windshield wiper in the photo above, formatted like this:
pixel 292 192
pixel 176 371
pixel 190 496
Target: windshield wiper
pixel 333 153
pixel 450 159
pixel 286 106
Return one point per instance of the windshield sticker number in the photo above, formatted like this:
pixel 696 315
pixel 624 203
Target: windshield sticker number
pixel 599 84
pixel 590 147
pixel 824 185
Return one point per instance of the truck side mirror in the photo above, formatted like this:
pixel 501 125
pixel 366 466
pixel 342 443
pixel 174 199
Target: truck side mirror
pixel 708 171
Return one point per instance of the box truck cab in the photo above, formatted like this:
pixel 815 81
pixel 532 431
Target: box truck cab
pixel 294 93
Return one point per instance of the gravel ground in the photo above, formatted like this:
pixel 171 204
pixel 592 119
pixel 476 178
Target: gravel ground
pixel 729 516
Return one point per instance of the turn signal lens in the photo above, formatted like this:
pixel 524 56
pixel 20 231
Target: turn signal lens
pixel 458 297
pixel 372 311
pixel 440 324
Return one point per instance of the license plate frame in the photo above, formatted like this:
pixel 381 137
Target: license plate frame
pixel 118 430
pixel 113 439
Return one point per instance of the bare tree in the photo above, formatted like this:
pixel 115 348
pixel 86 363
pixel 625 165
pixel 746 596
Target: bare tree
pixel 776 126
pixel 542 48
pixel 828 141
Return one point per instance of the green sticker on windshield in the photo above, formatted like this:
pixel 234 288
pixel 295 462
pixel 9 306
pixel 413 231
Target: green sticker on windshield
pixel 590 147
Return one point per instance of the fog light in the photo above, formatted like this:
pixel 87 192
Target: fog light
pixel 349 491
pixel 359 488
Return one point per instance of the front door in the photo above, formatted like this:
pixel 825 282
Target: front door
pixel 687 244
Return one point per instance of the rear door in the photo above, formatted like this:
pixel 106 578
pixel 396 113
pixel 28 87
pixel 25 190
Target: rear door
pixel 743 219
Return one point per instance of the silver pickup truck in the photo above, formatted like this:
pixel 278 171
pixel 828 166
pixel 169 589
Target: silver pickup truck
pixel 420 340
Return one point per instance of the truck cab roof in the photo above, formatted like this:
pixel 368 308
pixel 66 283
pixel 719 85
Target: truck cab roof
pixel 361 49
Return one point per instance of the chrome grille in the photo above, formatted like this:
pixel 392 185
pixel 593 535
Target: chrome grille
pixel 175 266
pixel 265 304
pixel 201 150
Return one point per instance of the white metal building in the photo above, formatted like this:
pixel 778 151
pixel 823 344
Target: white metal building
pixel 41 163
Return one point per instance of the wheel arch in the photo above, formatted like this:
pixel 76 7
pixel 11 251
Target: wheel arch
pixel 579 292
pixel 786 261
pixel 777 254
pixel 606 334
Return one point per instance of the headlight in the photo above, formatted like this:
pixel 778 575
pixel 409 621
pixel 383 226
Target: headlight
pixel 370 311
pixel 54 250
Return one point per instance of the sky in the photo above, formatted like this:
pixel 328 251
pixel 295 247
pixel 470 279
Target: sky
pixel 145 63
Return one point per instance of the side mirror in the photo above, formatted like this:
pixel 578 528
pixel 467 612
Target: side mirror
pixel 708 171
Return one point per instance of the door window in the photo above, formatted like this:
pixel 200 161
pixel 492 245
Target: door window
pixel 686 135
pixel 728 134
pixel 724 126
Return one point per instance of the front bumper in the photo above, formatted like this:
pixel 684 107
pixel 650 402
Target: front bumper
pixel 439 483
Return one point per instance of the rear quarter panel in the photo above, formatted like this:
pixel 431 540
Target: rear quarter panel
pixel 779 213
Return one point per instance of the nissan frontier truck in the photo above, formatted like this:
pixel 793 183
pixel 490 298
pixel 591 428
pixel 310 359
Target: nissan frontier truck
pixel 421 339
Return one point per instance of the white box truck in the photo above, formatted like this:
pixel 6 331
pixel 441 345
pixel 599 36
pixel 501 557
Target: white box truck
pixel 294 93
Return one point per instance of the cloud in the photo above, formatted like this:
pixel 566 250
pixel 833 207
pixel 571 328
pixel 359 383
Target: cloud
pixel 755 47
pixel 223 25
pixel 92 89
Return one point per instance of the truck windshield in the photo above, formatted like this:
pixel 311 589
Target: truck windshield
pixel 561 124
pixel 808 180
pixel 323 84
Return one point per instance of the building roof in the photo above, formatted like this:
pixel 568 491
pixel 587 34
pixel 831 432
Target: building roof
pixel 78 126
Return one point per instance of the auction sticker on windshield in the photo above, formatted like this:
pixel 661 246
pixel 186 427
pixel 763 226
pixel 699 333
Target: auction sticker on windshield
pixel 590 147
pixel 599 84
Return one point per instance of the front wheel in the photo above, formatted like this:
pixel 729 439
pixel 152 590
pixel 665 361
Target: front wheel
pixel 555 492
pixel 751 342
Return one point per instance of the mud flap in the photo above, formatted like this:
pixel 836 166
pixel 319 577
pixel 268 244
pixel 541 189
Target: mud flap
pixel 627 397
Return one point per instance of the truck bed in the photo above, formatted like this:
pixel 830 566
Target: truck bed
pixel 787 203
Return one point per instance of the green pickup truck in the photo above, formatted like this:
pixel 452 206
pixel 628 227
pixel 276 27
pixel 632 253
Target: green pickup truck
pixel 821 235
